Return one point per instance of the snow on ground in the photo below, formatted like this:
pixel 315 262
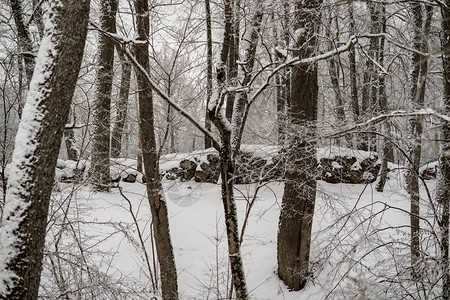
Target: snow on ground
pixel 356 231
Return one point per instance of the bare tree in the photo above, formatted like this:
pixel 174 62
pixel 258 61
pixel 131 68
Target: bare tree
pixel 36 150
pixel 122 106
pixel 297 211
pixel 158 206
pixel 102 110
pixel 419 63
pixel 209 69
pixel 445 157
pixel 25 44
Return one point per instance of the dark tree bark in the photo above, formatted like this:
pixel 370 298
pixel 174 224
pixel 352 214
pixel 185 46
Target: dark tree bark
pixel 445 157
pixel 209 69
pixel 36 149
pixel 417 96
pixel 333 70
pixel 160 221
pixel 233 56
pixel 369 91
pixel 233 53
pixel 122 107
pixel 388 151
pixel 25 59
pixel 102 110
pixel 69 141
pixel 24 40
pixel 37 16
pixel 282 80
pixel 297 211
pixel 353 73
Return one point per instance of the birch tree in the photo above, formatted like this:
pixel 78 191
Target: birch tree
pixel 37 145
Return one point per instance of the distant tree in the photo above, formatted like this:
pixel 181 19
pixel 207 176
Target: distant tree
pixel 23 32
pixel 209 69
pixel 297 209
pixel 421 28
pixel 122 106
pixel 25 47
pixel 36 150
pixel 445 157
pixel 102 110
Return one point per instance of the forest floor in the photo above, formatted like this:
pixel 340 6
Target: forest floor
pixel 360 237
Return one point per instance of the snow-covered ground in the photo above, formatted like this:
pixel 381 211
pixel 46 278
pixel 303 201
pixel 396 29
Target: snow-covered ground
pixel 359 248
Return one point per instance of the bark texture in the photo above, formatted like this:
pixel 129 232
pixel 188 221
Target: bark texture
pixel 102 110
pixel 160 221
pixel 25 44
pixel 388 151
pixel 417 97
pixel 122 107
pixel 209 69
pixel 297 210
pixel 445 158
pixel 34 159
pixel 353 70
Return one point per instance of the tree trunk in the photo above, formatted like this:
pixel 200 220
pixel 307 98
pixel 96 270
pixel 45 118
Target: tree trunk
pixel 36 150
pixel 282 77
pixel 356 111
pixel 445 157
pixel 417 96
pixel 102 111
pixel 240 107
pixel 297 210
pixel 24 40
pixel 122 107
pixel 37 16
pixel 25 59
pixel 233 56
pixel 369 88
pixel 160 221
pixel 353 73
pixel 209 75
pixel 388 151
pixel 231 222
pixel 333 70
pixel 69 141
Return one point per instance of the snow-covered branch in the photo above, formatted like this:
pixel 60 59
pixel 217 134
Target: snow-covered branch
pixel 169 100
pixel 393 114
pixel 299 61
pixel 386 37
pixel 123 41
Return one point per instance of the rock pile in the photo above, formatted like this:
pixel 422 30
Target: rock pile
pixel 256 163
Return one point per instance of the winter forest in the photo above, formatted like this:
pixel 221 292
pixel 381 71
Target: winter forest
pixel 224 149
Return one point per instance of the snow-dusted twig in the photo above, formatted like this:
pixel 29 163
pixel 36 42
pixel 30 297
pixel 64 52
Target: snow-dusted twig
pixel 168 99
pixel 123 41
pixel 386 37
pixel 298 61
pixel 383 70
pixel 393 114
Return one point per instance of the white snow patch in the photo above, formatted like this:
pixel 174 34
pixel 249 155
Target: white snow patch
pixel 335 165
